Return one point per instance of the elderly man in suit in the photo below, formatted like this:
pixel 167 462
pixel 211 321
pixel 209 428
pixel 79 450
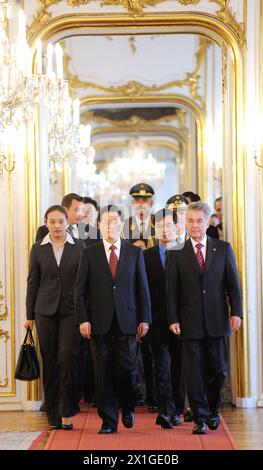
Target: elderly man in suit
pixel 202 280
pixel 113 306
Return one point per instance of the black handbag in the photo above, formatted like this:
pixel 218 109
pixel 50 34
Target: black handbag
pixel 27 367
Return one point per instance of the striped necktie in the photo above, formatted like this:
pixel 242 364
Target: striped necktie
pixel 113 261
pixel 199 257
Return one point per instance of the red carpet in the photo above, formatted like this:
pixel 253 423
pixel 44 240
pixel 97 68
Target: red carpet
pixel 145 435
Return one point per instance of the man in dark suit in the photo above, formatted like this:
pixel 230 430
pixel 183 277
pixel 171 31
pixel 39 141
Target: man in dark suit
pixel 141 223
pixel 113 306
pixel 159 334
pixel 74 206
pixel 201 280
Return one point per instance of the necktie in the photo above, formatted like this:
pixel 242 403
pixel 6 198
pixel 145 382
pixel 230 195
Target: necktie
pixel 142 230
pixel 70 230
pixel 199 257
pixel 113 261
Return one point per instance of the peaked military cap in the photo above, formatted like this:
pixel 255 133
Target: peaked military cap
pixel 141 190
pixel 177 202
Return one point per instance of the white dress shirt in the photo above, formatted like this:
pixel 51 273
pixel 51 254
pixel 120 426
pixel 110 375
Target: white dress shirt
pixel 75 230
pixel 107 248
pixel 203 249
pixel 57 250
pixel 145 222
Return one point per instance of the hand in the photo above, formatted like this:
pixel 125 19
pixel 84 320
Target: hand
pixel 142 330
pixel 85 330
pixel 175 328
pixel 235 323
pixel 30 324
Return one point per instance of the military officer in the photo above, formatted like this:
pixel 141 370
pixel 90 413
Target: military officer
pixel 141 224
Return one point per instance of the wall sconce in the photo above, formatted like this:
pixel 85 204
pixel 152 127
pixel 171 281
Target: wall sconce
pixel 6 164
pixel 258 154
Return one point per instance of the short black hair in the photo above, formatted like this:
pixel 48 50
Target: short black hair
pixel 109 208
pixel 67 200
pixel 163 213
pixel 192 196
pixel 55 208
pixel 89 200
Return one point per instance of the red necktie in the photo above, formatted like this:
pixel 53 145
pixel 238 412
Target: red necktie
pixel 113 261
pixel 199 257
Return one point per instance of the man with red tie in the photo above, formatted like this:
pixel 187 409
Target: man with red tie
pixel 113 307
pixel 202 282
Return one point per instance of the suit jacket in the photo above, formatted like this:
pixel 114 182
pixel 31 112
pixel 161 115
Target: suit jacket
pixel 50 286
pixel 131 231
pixel 98 296
pixel 212 232
pixel 199 302
pixel 157 283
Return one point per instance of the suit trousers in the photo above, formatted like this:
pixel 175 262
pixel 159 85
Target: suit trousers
pixel 59 342
pixel 114 358
pixel 162 375
pixel 206 370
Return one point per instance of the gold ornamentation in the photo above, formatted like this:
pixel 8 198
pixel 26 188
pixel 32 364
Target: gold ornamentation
pixel 134 7
pixel 77 3
pixel 4 315
pixel 5 334
pixel 135 89
pixel 188 2
pixel 228 17
pixel 224 70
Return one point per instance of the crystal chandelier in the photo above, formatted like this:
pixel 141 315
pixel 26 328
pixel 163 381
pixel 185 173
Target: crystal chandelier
pixel 136 165
pixel 19 90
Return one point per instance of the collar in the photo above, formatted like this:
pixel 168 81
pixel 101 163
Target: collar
pixel 145 221
pixel 107 245
pixel 167 246
pixel 204 242
pixel 47 240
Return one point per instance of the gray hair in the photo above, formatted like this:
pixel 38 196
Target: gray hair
pixel 200 206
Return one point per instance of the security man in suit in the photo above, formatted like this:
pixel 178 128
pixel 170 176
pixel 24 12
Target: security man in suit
pixel 141 223
pixel 202 282
pixel 113 306
pixel 159 334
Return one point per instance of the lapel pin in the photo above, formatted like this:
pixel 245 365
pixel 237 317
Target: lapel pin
pixel 214 249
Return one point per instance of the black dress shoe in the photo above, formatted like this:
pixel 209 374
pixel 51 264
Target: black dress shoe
pixel 176 420
pixel 188 415
pixel 213 422
pixel 152 408
pixel 199 428
pixel 164 421
pixel 67 427
pixel 128 419
pixel 106 429
pixel 55 426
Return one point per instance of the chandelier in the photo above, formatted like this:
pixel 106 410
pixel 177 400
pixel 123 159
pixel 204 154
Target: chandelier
pixel 123 172
pixel 19 90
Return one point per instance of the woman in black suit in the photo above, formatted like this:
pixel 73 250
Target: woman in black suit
pixel 50 303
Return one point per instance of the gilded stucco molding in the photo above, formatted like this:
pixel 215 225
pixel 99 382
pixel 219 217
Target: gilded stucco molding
pixel 226 14
pixel 4 334
pixel 136 89
pixel 224 70
pixel 3 306
pixel 135 9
